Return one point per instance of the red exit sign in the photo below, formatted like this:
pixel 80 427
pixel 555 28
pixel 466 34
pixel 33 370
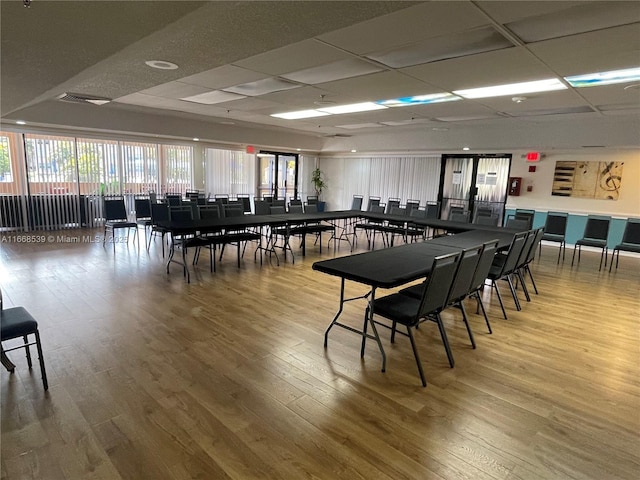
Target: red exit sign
pixel 533 157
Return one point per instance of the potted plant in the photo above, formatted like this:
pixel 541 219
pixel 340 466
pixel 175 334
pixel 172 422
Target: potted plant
pixel 319 184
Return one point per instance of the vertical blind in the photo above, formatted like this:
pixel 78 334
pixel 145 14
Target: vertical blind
pixel 229 172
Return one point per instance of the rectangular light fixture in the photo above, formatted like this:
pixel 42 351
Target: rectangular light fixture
pixel 215 96
pixel 352 108
pixel 419 100
pixel 299 114
pixel 604 78
pixel 546 85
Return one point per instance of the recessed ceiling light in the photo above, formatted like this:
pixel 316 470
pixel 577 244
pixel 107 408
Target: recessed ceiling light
pixel 352 108
pixel 299 114
pixel 196 139
pixel 440 129
pixel 227 122
pixel 353 150
pixel 161 65
pixel 465 148
pixel 21 122
pixel 604 78
pixel 518 99
pixel 419 100
pixel 298 149
pixel 546 85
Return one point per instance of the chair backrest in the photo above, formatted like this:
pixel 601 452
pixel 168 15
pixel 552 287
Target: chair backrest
pixel 261 207
pixel 223 197
pixel 392 203
pixel 233 210
pixel 412 204
pixel 373 202
pixel 143 207
pixel 295 201
pixel 173 199
pixel 293 208
pixel 208 211
pixel 278 203
pixel 484 265
pixel 181 213
pixel 632 231
pixel 159 212
pixel 417 213
pixel 513 255
pixel 467 266
pixel 277 210
pixel 356 203
pixel 311 208
pixel 556 223
pixel 515 223
pixel 525 214
pixel 537 238
pixel 267 198
pixel 153 197
pixel 456 216
pixel 114 209
pixel 597 227
pixel 487 220
pixel 398 211
pixel 246 202
pixel 438 285
pixel 312 199
pixel 377 209
pixel 522 259
pixel 433 210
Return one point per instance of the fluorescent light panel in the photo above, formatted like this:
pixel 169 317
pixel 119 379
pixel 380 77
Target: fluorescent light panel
pixel 419 100
pixel 215 96
pixel 546 85
pixel 262 87
pixel 604 78
pixel 352 108
pixel 299 114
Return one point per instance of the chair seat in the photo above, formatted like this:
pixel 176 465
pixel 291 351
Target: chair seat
pixel 401 308
pixel 592 242
pixel 552 237
pixel 628 247
pixel 16 322
pixel 414 291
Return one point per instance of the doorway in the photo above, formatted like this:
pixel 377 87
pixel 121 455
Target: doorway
pixel 278 176
pixel 470 183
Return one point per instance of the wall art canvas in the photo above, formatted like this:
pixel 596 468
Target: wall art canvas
pixel 599 180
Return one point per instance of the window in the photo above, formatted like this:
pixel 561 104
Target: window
pixel 178 171
pixel 5 160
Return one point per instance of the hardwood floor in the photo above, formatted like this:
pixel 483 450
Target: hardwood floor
pixel 227 377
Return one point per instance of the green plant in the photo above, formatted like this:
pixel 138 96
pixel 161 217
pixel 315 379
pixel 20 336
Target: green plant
pixel 318 181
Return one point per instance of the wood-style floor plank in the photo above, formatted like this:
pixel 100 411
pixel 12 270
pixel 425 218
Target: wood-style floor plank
pixel 227 377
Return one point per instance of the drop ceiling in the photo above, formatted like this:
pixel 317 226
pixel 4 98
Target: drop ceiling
pixel 241 62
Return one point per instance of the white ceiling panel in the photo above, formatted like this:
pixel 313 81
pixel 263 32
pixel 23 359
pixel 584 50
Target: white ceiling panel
pixel 379 86
pixel 534 101
pixel 621 94
pixel 505 11
pixel 407 26
pixel 299 56
pixel 610 49
pixel 347 68
pixel 175 90
pixel 225 76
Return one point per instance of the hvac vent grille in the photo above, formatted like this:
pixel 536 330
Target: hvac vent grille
pixel 79 98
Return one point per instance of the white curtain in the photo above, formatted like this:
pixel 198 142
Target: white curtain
pixel 404 177
pixel 229 172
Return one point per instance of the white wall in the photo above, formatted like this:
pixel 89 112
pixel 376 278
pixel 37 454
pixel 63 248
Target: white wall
pixel 540 198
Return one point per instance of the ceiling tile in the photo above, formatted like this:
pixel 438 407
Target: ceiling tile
pixel 175 90
pixel 222 77
pixel 380 86
pixel 347 68
pixel 213 96
pixel 452 45
pixel 261 87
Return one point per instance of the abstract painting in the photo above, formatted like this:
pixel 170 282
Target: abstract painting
pixel 599 180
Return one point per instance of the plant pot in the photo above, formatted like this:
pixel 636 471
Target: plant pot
pixel 321 206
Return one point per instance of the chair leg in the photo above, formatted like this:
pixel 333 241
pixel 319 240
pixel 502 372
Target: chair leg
pixel 466 323
pixel 484 313
pixel 27 351
pixel 494 284
pixel 43 370
pixel 513 292
pixel 533 282
pixel 415 354
pixel 524 286
pixel 445 340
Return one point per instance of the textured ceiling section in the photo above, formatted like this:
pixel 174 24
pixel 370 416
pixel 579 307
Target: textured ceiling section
pixel 242 62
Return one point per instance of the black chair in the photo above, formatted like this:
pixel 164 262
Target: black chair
pixel 433 209
pixel 555 230
pixel 373 202
pixel 232 210
pixel 173 199
pixel 246 202
pixel 312 199
pixel 391 204
pixel 296 202
pixel 408 311
pixel 181 213
pixel 356 202
pixel 371 227
pixel 457 216
pixel 411 205
pixel 143 214
pixel 515 223
pixel 491 220
pixel 116 218
pixel 17 322
pixel 296 208
pixel 596 232
pixel 223 197
pixel 630 240
pixel 262 207
pixel 503 267
pixel 159 213
pixel 525 214
pixel 482 272
pixel 524 268
pixel 460 287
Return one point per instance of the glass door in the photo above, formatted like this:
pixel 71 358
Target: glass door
pixel 472 182
pixel 278 175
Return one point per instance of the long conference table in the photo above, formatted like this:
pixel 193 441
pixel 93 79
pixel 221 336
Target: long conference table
pixel 396 266
pixel 290 221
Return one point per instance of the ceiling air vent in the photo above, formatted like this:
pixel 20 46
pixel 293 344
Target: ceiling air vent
pixel 338 135
pixel 79 98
